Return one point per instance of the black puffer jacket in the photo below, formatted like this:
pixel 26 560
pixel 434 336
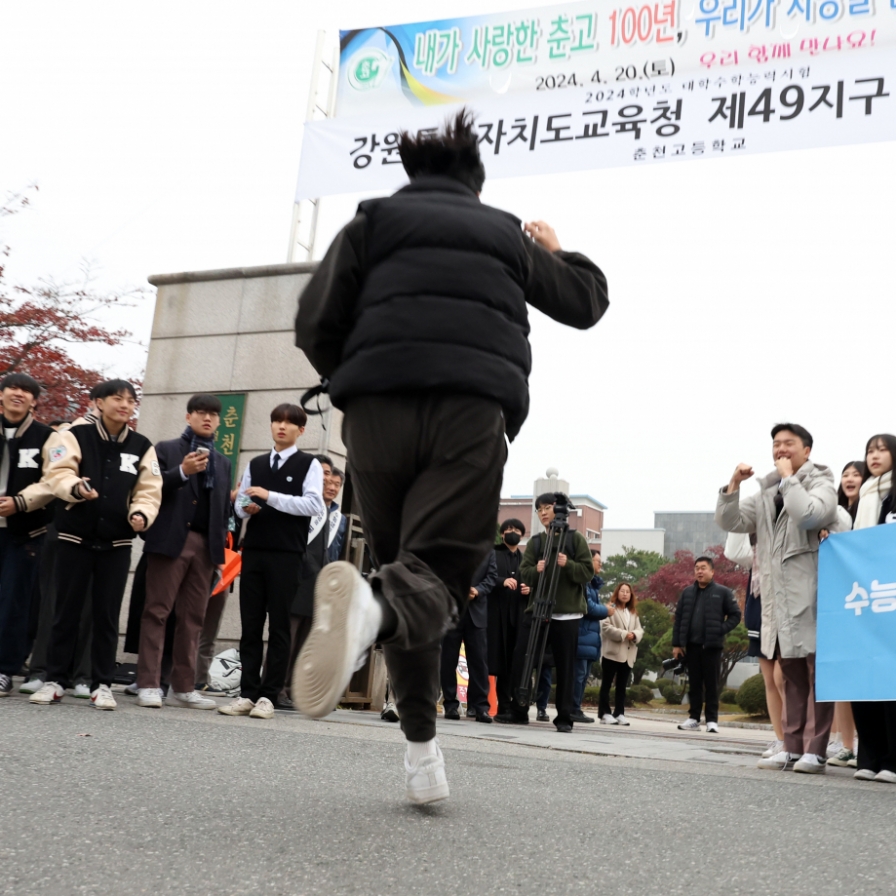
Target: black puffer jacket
pixel 427 289
pixel 721 615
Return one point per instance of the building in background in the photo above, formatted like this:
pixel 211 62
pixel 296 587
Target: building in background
pixel 587 518
pixel 688 530
pixel 614 541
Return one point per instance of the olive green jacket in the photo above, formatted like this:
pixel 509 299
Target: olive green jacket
pixel 578 571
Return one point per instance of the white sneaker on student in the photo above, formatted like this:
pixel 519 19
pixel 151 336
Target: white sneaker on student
pixel 51 692
pixel 426 781
pixel 622 720
pixel 810 764
pixel 149 697
pixel 264 709
pixel 773 749
pixel 886 776
pixel 607 719
pixel 346 622
pixel 865 774
pixel 240 706
pixel 189 700
pixel 779 761
pixel 81 691
pixel 712 727
pixel 102 698
pixel 31 687
pixel 131 689
pixel 689 725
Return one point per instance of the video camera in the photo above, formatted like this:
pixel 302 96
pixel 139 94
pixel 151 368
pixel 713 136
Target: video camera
pixel 562 507
pixel 674 664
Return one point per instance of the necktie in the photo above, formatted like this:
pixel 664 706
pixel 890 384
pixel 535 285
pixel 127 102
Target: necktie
pixel 276 464
pixel 779 505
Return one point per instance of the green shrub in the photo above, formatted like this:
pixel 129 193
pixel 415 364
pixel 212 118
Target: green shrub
pixel 591 696
pixel 663 685
pixel 751 696
pixel 674 695
pixel 639 693
pixel 728 695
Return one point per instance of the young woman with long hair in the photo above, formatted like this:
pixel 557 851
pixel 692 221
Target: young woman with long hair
pixel 876 720
pixel 620 635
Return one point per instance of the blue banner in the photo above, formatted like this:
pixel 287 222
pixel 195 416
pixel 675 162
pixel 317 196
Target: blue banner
pixel 856 658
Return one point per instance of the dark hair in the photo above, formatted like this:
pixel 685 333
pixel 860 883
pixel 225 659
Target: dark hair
pixel 291 413
pixel 704 559
pixel 800 432
pixel 632 605
pixel 889 442
pixel 202 401
pixel 452 152
pixel 21 381
pixel 325 459
pixel 595 552
pixel 109 388
pixel 546 498
pixel 92 393
pixel 335 471
pixel 842 498
pixel 513 524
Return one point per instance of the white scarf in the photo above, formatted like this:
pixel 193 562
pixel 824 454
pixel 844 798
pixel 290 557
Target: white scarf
pixel 871 496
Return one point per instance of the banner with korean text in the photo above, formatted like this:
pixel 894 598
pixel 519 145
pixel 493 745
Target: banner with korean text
pixel 592 85
pixel 856 654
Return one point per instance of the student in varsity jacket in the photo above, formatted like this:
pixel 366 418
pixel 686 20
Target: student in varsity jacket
pixel 279 494
pixel 24 515
pixel 108 481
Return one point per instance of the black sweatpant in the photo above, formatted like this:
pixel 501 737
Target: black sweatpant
pixel 426 471
pixel 876 728
pixel 268 584
pixel 74 567
pixel 612 671
pixel 704 669
pixel 563 643
pixel 476 650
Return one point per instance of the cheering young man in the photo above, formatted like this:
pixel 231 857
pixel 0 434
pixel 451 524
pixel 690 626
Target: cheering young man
pixel 417 316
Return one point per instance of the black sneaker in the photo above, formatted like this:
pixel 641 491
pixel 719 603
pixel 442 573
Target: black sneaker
pixel 509 718
pixel 542 716
pixel 452 715
pixel 579 716
pixel 564 729
pixel 471 713
pixel 5 685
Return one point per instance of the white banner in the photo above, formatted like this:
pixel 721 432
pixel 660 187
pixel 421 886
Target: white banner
pixel 783 105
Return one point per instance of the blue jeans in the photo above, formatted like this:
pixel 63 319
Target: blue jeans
pixel 18 576
pixel 583 667
pixel 543 690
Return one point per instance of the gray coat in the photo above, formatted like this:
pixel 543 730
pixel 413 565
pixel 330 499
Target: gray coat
pixel 787 551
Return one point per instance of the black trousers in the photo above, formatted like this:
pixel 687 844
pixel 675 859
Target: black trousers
pixel 612 671
pixel 704 669
pixel 426 471
pixel 474 640
pixel 74 567
pixel 876 727
pixel 268 583
pixel 563 643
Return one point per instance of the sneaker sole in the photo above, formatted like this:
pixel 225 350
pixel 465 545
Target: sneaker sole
pixel 45 702
pixel 810 770
pixel 324 667
pixel 838 763
pixel 102 708
pixel 150 705
pixel 171 702
pixel 258 715
pixel 227 712
pixel 429 795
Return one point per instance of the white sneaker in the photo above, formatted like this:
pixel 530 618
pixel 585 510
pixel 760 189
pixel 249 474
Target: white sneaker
pixel 607 719
pixel 810 764
pixel 773 749
pixel 190 700
pixel 51 692
pixel 132 690
pixel 779 761
pixel 389 713
pixel 887 777
pixel 834 747
pixel 865 774
pixel 712 727
pixel 31 687
pixel 102 698
pixel 149 697
pixel 622 720
pixel 689 725
pixel 81 691
pixel 240 706
pixel 264 709
pixel 426 781
pixel 346 622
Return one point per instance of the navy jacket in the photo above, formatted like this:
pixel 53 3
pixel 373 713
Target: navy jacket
pixel 589 627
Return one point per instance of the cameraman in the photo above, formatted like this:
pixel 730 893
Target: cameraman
pixel 706 612
pixel 576 570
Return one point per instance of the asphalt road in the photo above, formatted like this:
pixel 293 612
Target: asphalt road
pixel 183 802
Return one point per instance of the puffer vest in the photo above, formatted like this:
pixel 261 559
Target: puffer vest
pixel 443 307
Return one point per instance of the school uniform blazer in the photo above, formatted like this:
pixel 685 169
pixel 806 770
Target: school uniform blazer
pixel 614 644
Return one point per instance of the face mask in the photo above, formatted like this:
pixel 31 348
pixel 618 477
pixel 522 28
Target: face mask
pixel 512 538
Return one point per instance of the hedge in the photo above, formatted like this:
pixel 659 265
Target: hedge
pixel 751 696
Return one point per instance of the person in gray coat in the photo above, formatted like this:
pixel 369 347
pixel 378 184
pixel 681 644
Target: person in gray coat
pixel 795 502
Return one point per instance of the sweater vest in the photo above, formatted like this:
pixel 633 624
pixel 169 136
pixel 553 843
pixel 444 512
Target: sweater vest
pixel 271 529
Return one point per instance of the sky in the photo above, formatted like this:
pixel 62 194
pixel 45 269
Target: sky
pixel 166 137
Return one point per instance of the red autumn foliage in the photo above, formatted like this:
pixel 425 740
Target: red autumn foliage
pixel 37 323
pixel 667 583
